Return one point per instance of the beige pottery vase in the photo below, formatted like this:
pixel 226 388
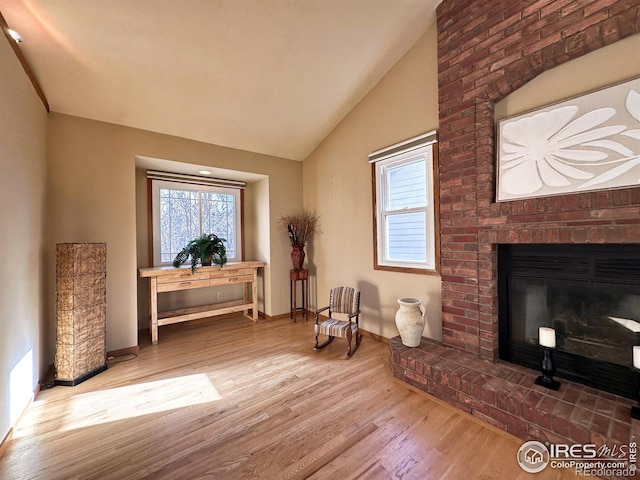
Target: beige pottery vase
pixel 410 320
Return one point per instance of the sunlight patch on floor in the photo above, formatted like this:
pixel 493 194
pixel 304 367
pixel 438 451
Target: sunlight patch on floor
pixel 115 404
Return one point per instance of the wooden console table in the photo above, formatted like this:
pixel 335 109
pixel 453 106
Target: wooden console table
pixel 169 279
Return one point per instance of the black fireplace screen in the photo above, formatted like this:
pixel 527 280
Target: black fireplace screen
pixel 590 295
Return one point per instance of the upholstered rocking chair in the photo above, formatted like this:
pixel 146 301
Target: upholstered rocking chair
pixel 346 302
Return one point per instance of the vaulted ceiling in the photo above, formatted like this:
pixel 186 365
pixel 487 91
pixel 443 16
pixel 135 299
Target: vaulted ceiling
pixel 267 76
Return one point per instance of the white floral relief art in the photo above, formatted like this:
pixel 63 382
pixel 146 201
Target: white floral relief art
pixel 589 143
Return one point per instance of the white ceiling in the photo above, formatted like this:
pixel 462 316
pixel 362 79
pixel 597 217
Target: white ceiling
pixel 268 76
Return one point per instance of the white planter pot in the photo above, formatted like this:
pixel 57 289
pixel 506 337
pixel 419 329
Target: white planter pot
pixel 410 320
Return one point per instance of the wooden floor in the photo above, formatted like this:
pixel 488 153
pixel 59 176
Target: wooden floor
pixel 230 399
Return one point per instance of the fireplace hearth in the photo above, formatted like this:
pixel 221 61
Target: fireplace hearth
pixel 590 295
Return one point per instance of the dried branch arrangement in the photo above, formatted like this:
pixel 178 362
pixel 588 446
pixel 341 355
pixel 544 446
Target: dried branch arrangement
pixel 300 227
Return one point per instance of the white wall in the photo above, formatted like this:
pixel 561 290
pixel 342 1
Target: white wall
pixel 338 185
pixel 23 124
pixel 257 226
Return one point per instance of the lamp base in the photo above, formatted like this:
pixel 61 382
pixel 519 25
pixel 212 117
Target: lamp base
pixel 635 412
pixel 547 383
pixel 72 382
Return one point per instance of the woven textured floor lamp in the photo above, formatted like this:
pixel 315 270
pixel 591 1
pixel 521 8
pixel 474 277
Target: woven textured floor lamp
pixel 81 300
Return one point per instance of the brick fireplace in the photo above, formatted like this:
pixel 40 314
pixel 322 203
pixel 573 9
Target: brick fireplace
pixel 486 50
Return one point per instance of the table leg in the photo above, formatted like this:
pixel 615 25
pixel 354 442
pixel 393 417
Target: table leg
pixel 306 305
pixel 153 326
pixel 254 295
pixel 295 300
pixel 291 299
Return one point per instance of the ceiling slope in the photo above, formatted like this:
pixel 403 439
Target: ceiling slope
pixel 267 76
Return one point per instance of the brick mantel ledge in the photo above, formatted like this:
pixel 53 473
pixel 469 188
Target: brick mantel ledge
pixel 505 395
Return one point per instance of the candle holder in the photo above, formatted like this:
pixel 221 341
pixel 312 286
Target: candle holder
pixel 635 411
pixel 546 379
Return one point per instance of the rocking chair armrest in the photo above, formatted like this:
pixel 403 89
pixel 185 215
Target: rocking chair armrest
pixel 354 314
pixel 317 313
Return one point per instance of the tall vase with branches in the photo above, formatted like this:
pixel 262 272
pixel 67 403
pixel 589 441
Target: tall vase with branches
pixel 300 228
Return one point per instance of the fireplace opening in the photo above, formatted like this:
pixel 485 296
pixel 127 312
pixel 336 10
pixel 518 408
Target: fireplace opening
pixel 590 295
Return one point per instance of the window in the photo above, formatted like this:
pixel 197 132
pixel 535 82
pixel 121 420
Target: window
pixel 184 211
pixel 404 206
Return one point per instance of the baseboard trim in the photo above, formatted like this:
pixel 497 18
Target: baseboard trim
pixel 9 436
pixel 282 316
pixel 374 336
pixel 5 441
pixel 262 316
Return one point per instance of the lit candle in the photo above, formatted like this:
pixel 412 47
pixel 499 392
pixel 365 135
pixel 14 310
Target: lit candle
pixel 636 356
pixel 547 337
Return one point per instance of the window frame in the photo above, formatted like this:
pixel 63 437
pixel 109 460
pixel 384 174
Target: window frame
pixel 154 214
pixel 398 156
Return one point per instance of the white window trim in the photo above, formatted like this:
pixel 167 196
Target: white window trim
pixel 404 153
pixel 156 185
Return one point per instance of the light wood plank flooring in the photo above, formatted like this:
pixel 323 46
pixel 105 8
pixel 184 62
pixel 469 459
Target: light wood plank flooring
pixel 229 399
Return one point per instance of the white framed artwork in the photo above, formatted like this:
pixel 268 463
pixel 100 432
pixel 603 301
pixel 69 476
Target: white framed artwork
pixel 591 142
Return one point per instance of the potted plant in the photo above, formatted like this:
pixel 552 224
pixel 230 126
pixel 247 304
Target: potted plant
pixel 206 249
pixel 300 228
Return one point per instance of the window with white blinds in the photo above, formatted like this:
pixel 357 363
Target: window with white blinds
pixel 404 207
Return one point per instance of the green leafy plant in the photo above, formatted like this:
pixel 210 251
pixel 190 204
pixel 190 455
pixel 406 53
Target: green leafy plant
pixel 206 249
pixel 300 227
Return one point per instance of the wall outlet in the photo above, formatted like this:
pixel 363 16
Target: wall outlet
pixel 220 295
